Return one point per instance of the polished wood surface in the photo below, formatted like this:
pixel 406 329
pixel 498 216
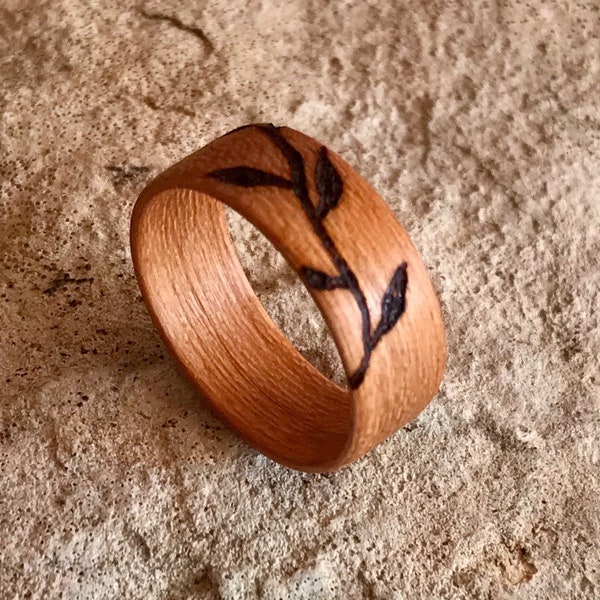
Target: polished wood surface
pixel 357 261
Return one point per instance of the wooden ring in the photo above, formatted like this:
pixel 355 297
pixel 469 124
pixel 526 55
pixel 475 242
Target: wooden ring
pixel 351 252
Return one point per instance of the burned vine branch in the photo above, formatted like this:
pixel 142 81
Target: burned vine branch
pixel 330 187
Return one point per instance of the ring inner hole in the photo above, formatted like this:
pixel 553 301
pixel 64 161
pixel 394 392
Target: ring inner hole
pixel 285 298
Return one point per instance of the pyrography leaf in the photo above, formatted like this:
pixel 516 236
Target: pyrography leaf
pixel 249 177
pixel 393 303
pixel 329 184
pixel 321 281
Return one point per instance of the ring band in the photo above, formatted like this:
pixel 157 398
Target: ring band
pixel 351 252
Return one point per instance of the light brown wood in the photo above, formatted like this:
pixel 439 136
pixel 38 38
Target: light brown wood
pixel 211 320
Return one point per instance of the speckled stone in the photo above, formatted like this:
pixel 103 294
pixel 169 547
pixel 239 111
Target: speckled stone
pixel 479 123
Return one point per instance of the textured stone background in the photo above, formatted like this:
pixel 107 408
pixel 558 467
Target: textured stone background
pixel 479 122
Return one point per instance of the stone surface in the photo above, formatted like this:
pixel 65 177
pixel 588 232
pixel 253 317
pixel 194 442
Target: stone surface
pixel 479 123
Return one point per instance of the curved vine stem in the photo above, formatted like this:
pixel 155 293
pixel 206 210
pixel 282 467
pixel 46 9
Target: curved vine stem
pixel 330 187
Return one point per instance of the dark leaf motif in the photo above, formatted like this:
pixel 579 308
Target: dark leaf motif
pixel 249 177
pixel 393 303
pixel 329 184
pixel 321 281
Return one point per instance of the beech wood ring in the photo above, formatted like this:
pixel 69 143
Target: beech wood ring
pixel 351 252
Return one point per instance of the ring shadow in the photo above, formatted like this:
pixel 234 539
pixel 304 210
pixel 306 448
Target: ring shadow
pixel 89 317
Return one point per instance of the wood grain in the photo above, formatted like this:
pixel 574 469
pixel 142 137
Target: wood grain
pixel 359 265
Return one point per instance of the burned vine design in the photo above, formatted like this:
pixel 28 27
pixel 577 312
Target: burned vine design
pixel 330 188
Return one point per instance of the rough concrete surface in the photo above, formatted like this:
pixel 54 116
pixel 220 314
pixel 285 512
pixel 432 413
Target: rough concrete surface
pixel 479 122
